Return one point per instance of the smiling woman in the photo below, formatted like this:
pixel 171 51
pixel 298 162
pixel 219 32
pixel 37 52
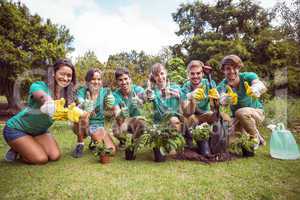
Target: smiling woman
pixel 27 132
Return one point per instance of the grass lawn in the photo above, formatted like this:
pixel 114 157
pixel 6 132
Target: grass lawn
pixel 259 177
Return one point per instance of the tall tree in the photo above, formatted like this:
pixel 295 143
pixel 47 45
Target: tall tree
pixel 26 43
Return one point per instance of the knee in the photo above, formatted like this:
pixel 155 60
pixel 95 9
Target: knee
pixel 242 113
pixel 39 160
pixel 175 123
pixel 54 156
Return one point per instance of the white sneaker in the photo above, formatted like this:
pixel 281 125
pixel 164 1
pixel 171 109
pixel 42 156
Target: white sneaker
pixel 10 155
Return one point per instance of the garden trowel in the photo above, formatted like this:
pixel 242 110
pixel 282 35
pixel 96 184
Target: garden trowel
pixel 219 138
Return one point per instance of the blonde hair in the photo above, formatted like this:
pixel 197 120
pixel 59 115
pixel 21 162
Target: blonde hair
pixel 195 63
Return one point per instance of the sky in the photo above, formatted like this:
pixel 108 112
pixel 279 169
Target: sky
pixel 112 26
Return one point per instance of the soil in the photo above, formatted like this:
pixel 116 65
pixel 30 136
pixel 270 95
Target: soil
pixel 191 154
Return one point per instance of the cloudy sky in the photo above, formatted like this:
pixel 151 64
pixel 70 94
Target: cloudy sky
pixel 112 26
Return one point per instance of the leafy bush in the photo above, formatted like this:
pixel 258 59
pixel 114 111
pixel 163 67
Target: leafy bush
pixel 242 142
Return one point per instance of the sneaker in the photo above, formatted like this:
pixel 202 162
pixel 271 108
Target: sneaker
pixel 11 155
pixel 78 151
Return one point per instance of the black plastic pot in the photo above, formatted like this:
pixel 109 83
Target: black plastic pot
pixel 247 153
pixel 203 147
pixel 158 157
pixel 129 154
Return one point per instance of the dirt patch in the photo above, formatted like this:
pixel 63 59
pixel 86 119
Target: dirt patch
pixel 191 154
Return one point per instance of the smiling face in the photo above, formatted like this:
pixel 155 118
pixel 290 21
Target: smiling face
pixel 231 73
pixel 124 82
pixel 63 76
pixel 195 75
pixel 96 82
pixel 160 78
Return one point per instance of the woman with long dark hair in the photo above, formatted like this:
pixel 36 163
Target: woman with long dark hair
pixel 27 132
pixel 94 99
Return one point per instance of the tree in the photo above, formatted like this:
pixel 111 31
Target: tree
pixel 138 64
pixel 26 43
pixel 176 70
pixel 224 20
pixel 290 17
pixel 83 63
pixel 243 28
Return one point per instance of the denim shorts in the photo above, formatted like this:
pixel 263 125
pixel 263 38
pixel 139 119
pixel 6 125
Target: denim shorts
pixel 93 128
pixel 10 134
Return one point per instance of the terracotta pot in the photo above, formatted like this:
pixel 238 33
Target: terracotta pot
pixel 104 159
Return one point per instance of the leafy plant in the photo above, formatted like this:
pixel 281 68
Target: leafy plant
pixel 201 132
pixel 243 142
pixel 101 149
pixel 163 137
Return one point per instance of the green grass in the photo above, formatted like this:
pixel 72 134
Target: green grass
pixel 259 177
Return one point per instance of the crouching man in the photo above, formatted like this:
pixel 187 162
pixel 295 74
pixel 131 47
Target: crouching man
pixel 242 92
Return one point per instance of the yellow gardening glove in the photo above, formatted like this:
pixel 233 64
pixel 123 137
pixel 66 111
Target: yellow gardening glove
pixel 213 93
pixel 55 109
pixel 74 113
pixel 248 89
pixel 233 95
pixel 199 94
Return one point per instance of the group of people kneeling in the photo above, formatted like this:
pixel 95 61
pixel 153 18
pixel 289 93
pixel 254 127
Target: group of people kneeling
pixel 27 132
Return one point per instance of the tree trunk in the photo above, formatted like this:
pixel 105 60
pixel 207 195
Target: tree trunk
pixel 13 106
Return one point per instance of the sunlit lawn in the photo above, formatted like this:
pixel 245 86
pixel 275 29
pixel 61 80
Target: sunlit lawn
pixel 259 177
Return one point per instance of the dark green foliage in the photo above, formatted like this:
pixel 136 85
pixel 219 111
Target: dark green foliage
pixel 242 142
pixel 27 42
pixel 242 27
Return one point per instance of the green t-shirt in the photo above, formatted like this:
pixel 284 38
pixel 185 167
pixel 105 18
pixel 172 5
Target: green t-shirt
pixel 98 118
pixel 31 120
pixel 243 99
pixel 164 105
pixel 134 110
pixel 203 105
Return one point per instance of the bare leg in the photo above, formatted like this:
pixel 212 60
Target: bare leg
pixel 49 145
pixel 30 150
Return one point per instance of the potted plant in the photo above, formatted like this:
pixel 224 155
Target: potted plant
pixel 130 146
pixel 201 134
pixel 243 145
pixel 160 137
pixel 163 139
pixel 103 152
